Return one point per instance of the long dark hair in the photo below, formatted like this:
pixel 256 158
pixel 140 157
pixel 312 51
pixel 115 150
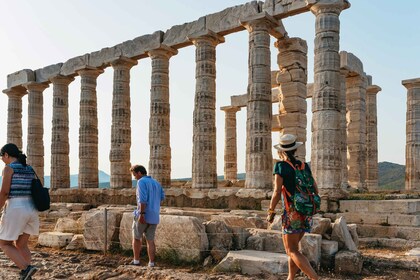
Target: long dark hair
pixel 13 151
pixel 291 156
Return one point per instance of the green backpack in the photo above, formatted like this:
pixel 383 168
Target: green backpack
pixel 306 199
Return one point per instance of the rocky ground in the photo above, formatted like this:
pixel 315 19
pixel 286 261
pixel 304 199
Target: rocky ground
pixel 61 264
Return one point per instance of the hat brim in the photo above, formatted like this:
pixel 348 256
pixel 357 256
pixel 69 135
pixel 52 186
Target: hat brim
pixel 294 147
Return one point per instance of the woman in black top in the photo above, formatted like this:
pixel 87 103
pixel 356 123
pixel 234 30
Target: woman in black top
pixel 294 224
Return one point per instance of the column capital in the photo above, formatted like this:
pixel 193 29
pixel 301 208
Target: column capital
pixel 162 51
pixel 89 72
pixel 373 89
pixel 35 86
pixel 123 61
pixel 411 83
pixel 259 21
pixel 61 80
pixel 206 35
pixel 230 109
pixel 330 6
pixel 15 92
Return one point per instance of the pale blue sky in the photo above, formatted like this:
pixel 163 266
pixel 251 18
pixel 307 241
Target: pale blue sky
pixel 385 35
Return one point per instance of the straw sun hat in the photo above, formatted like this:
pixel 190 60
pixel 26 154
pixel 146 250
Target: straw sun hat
pixel 287 143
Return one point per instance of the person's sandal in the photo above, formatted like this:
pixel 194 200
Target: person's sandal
pixel 27 273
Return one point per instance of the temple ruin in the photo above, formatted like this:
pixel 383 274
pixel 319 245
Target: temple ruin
pixel 344 147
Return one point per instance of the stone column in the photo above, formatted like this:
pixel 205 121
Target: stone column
pixel 14 115
pixel 88 129
pixel 371 138
pixel 356 131
pixel 204 168
pixel 326 155
pixel 60 147
pixel 412 148
pixel 35 145
pixel 259 158
pixel 159 123
pixel 121 124
pixel 342 104
pixel 230 155
pixel 292 79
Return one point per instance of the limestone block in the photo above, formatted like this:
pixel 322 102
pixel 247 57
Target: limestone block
pixel 292 119
pixel 276 224
pixel 253 263
pixel 78 206
pixel 273 78
pixel 329 247
pixel 283 76
pixel 341 233
pixel 414 253
pixel 293 89
pixel 219 235
pixel 310 246
pixel 76 243
pixel 104 57
pixel 254 193
pixel 228 20
pixel 68 225
pixel 177 36
pixel 219 192
pixel 94 232
pixel 348 262
pixel 309 90
pixel 54 239
pixel 125 234
pixel 350 62
pixel 325 120
pixel 320 225
pixel 43 75
pixel 20 77
pixel 292 60
pixel 282 8
pixel 234 221
pixel 181 238
pixel 293 104
pixel 138 47
pixel 409 233
pixel 353 232
pixel 266 240
pixel 70 67
pixel 240 237
pixel 239 100
pixel 401 206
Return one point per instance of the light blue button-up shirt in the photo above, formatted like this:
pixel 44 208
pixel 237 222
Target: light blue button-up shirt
pixel 150 193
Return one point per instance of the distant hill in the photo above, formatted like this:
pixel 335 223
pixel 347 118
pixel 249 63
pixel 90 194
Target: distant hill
pixel 74 180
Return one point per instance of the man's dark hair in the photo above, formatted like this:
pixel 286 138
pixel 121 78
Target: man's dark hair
pixel 139 168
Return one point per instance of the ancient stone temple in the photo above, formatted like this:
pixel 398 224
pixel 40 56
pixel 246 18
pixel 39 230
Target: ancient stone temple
pixel 344 124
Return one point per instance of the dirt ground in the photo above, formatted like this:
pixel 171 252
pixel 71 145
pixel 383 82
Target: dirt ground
pixel 61 264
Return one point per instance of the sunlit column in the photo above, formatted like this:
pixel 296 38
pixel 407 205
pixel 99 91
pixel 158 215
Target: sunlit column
pixel 88 129
pixel 230 155
pixel 159 123
pixel 259 112
pixel 60 147
pixel 371 138
pixel 121 124
pixel 412 148
pixel 35 145
pixel 14 115
pixel 204 168
pixel 326 154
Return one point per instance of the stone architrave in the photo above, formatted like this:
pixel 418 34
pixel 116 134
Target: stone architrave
pixel 88 129
pixel 60 147
pixel 119 155
pixel 356 131
pixel 230 156
pixel 159 123
pixel 342 104
pixel 14 115
pixel 326 155
pixel 292 78
pixel 259 159
pixel 371 138
pixel 35 144
pixel 412 148
pixel 204 168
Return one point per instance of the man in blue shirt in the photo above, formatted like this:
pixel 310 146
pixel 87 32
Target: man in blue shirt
pixel 149 195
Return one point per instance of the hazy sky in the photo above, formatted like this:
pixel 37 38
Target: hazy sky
pixel 34 34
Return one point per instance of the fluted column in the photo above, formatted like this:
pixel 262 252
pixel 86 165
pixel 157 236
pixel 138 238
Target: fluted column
pixel 204 168
pixel 356 131
pixel 326 154
pixel 35 145
pixel 60 147
pixel 292 79
pixel 342 104
pixel 230 155
pixel 371 138
pixel 14 115
pixel 259 158
pixel 121 124
pixel 88 129
pixel 159 123
pixel 412 148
